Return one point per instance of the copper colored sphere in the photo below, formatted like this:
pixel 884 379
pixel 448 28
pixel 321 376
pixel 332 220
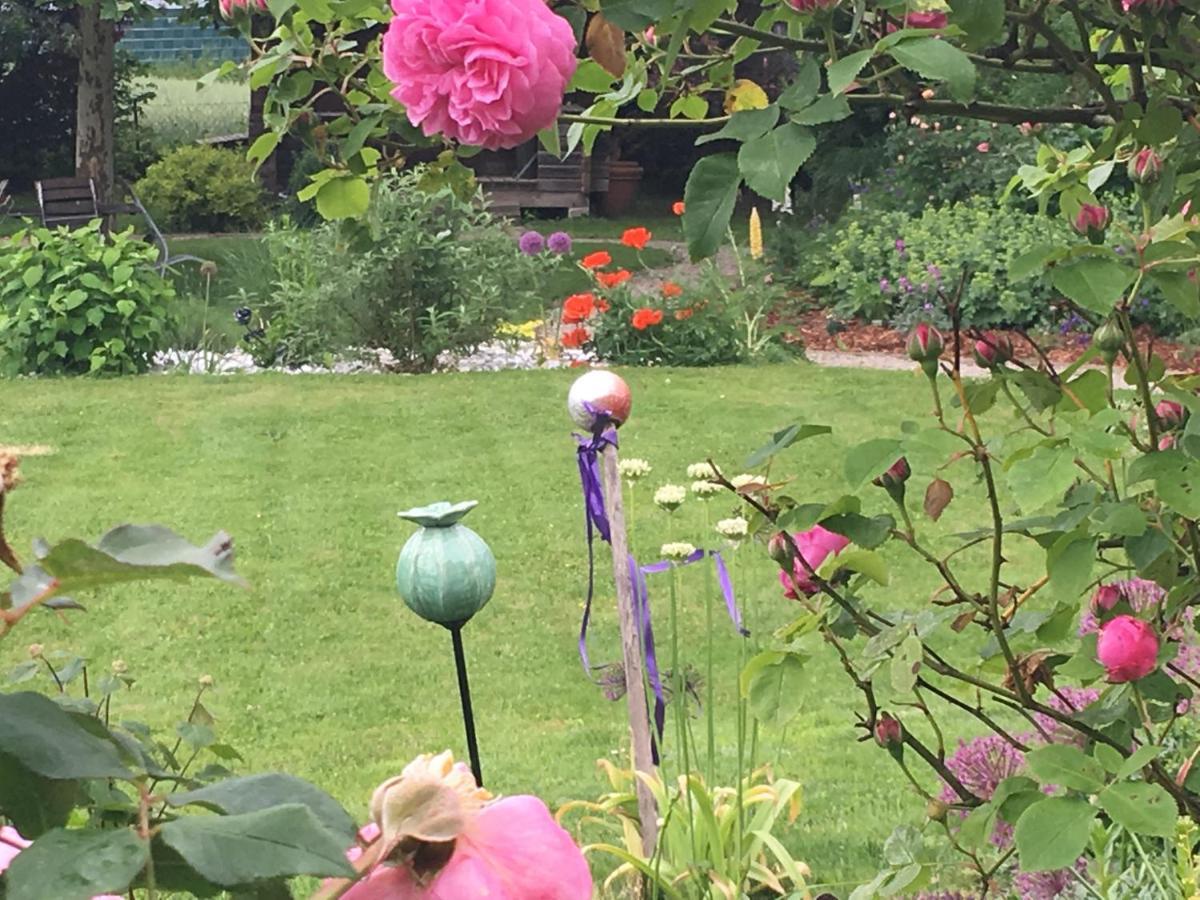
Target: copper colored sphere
pixel 605 391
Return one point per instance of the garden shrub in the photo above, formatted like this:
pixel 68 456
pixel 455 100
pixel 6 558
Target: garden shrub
pixel 425 274
pixel 678 332
pixel 890 265
pixel 77 301
pixel 204 189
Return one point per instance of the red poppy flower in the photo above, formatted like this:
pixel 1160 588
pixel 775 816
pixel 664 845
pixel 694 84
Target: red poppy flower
pixel 644 318
pixel 685 313
pixel 578 307
pixel 602 305
pixel 597 260
pixel 576 337
pixel 637 238
pixel 612 279
pixel 677 207
pixel 671 289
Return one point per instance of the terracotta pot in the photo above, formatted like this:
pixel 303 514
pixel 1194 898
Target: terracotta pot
pixel 624 179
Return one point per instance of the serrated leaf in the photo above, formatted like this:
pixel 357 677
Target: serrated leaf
pixel 45 739
pixel 841 74
pixel 830 108
pixel 870 459
pixel 769 163
pixel 252 793
pixel 1140 807
pixel 982 20
pixel 906 664
pixel 744 125
pixel 77 864
pixel 1066 766
pixel 745 94
pixel 1094 283
pixel 940 61
pixel 804 86
pixel 1052 833
pixel 783 439
pixel 709 198
pixel 343 197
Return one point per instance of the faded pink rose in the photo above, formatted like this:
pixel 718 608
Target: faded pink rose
pixel 489 73
pixel 1127 648
pixel 512 849
pixel 815 546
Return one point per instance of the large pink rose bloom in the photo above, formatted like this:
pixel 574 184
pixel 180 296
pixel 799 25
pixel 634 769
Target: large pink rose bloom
pixel 815 545
pixel 1127 648
pixel 490 73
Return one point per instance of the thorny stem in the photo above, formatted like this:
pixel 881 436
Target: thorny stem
pixel 7 556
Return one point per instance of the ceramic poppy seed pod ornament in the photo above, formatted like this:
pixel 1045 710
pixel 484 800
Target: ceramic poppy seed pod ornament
pixel 446 573
pixel 596 394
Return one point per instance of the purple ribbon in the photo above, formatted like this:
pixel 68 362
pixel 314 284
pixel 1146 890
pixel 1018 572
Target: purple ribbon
pixel 595 518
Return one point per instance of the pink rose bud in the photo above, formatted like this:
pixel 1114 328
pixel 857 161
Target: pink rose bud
pixel 1145 167
pixel 1104 599
pixel 1127 648
pixel 931 19
pixel 779 550
pixel 1169 413
pixel 888 731
pixel 1092 220
pixel 896 475
pixel 983 147
pixel 925 345
pixel 1167 442
pixel 993 350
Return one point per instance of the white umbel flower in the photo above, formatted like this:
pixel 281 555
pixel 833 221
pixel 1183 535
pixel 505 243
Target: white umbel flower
pixel 678 550
pixel 701 470
pixel 670 496
pixel 633 468
pixel 736 529
pixel 705 488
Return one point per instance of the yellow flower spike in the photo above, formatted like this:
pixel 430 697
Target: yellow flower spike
pixel 756 237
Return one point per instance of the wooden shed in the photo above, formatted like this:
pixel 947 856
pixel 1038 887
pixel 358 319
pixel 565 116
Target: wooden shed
pixel 529 178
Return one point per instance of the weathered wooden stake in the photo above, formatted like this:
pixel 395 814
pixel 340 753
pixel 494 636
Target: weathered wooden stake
pixel 631 648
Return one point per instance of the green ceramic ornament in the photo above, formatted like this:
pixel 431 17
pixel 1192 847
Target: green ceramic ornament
pixel 446 573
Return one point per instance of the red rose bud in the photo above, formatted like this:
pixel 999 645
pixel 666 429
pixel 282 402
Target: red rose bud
pixel 779 550
pixel 1092 220
pixel 993 350
pixel 896 475
pixel 1169 413
pixel 925 346
pixel 1145 167
pixel 1127 648
pixel 1109 340
pixel 1105 598
pixel 1167 442
pixel 889 734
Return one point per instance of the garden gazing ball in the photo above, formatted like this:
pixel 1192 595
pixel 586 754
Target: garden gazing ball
pixel 446 573
pixel 489 73
pixel 599 393
pixel 1127 648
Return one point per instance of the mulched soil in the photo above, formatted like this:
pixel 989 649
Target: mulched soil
pixel 818 331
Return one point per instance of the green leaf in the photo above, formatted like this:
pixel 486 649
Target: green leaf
pixel 906 664
pixel 45 739
pixel 33 803
pixel 981 395
pixel 830 108
pixel 866 532
pixel 709 198
pixel 1160 124
pixel 1031 261
pixel 1069 563
pixel 1052 833
pixel 865 562
pixel 805 84
pixel 32 275
pixel 982 20
pixel 870 459
pixel 268 843
pixel 773 683
pixel 1042 477
pixel 940 61
pixel 1140 807
pixel 1180 291
pixel 1093 282
pixel 264 145
pixel 744 125
pixel 842 73
pixel 635 15
pixel 1109 758
pixel 783 439
pixel 77 864
pixel 1140 758
pixel 1067 766
pixel 256 792
pixel 592 77
pixel 769 163
pixel 344 197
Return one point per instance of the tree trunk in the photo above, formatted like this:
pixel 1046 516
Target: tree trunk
pixel 94 107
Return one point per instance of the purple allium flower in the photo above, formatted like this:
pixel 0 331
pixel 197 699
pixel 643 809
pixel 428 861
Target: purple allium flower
pixel 884 285
pixel 905 285
pixel 531 243
pixel 927 306
pixel 1065 700
pixel 934 272
pixel 559 242
pixel 900 246
pixel 981 764
pixel 1048 885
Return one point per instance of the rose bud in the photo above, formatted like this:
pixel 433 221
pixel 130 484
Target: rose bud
pixel 1169 413
pixel 1109 340
pixel 893 479
pixel 993 350
pixel 1104 599
pixel 925 346
pixel 779 550
pixel 936 810
pixel 1145 166
pixel 1127 648
pixel 1167 442
pixel 1092 220
pixel 888 730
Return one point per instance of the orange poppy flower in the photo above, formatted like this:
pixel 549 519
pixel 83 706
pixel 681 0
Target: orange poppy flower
pixel 677 207
pixel 612 279
pixel 644 318
pixel 578 307
pixel 576 337
pixel 685 313
pixel 671 289
pixel 597 260
pixel 637 238
pixel 602 305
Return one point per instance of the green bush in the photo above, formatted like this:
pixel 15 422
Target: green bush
pixel 891 265
pixel 73 302
pixel 204 189
pixel 691 332
pixel 426 273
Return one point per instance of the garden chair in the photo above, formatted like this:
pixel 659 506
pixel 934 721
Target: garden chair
pixel 5 199
pixel 165 259
pixel 67 201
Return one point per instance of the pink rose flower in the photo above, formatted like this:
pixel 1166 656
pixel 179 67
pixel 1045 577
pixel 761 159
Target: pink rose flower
pixel 490 73
pixel 1169 412
pixel 983 147
pixel 930 19
pixel 1127 648
pixel 229 6
pixel 815 546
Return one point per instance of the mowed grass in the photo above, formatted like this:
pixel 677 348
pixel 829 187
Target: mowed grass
pixel 182 113
pixel 321 670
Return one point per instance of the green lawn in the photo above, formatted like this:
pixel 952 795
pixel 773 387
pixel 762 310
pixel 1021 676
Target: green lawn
pixel 180 113
pixel 320 669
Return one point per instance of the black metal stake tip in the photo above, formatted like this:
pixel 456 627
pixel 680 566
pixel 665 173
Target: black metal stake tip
pixel 464 693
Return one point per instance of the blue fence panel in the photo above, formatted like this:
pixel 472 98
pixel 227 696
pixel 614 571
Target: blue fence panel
pixel 165 39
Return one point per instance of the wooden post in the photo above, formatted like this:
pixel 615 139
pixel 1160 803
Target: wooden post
pixel 631 648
